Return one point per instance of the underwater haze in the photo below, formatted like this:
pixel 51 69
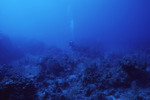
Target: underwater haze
pixel 74 49
pixel 58 22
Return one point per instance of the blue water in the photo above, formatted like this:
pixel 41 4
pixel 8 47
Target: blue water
pixel 115 24
pixel 79 31
pixel 50 21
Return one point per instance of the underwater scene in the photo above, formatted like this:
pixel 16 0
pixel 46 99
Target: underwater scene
pixel 74 49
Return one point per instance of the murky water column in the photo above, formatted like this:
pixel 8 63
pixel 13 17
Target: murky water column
pixel 71 20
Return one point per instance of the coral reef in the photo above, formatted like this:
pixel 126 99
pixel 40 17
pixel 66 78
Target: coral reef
pixel 70 75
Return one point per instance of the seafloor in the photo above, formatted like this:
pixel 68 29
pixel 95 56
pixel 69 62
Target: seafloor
pixel 79 73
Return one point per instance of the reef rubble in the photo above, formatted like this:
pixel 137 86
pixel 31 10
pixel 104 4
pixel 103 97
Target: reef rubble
pixel 76 75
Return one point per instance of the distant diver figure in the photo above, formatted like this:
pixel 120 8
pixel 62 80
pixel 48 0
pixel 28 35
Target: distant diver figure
pixel 71 44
